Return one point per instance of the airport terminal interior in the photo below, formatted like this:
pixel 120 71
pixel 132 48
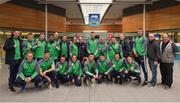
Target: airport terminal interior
pixel 105 18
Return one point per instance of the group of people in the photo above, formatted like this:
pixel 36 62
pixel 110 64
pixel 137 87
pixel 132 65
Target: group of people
pixel 57 61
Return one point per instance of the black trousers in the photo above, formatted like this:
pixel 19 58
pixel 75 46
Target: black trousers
pixel 141 61
pixel 102 77
pixel 76 80
pixel 13 70
pixel 166 70
pixel 62 78
pixel 51 75
pixel 22 83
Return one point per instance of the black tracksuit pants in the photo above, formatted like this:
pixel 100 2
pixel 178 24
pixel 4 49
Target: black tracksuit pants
pixel 166 70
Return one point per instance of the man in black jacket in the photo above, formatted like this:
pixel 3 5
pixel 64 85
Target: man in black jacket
pixel 125 46
pixel 83 52
pixel 13 56
pixel 153 55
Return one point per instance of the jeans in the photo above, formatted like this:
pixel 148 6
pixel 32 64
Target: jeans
pixel 153 68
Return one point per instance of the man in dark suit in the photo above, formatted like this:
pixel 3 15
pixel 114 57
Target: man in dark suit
pixel 13 56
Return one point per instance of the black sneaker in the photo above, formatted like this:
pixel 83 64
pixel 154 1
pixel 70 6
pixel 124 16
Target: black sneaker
pixel 12 89
pixel 22 89
pixel 120 81
pixel 116 80
pixel 145 83
pixel 57 85
pixel 151 85
pixel 166 87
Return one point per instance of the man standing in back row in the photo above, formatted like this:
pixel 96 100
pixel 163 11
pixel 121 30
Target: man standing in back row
pixel 139 50
pixel 153 57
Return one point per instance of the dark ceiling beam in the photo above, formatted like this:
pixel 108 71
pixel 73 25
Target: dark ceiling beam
pixel 81 11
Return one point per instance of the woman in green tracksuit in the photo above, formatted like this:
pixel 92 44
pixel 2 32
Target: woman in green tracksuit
pixel 73 47
pixel 90 70
pixel 132 70
pixel 118 69
pixel 40 45
pixel 53 48
pixel 104 67
pixel 28 72
pixel 113 48
pixel 75 71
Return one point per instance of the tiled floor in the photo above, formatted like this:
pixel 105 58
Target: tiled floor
pixel 106 92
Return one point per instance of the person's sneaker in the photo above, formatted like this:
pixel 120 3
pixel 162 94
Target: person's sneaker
pixel 11 89
pixel 166 87
pixel 145 83
pixel 120 81
pixel 22 89
pixel 50 87
pixel 57 85
pixel 73 80
pixel 87 82
pixel 129 80
pixel 116 80
pixel 93 82
pixel 151 85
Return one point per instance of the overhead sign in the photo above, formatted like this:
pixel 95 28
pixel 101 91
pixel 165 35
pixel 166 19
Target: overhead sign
pixel 94 20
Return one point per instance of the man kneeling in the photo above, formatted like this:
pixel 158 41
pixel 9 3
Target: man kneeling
pixel 28 72
pixel 104 67
pixel 61 71
pixel 132 70
pixel 118 69
pixel 47 70
pixel 75 71
pixel 90 70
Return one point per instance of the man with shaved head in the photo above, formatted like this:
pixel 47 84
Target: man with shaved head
pixel 153 57
pixel 168 52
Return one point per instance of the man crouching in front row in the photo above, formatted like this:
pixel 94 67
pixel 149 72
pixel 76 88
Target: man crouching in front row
pixel 28 72
pixel 47 70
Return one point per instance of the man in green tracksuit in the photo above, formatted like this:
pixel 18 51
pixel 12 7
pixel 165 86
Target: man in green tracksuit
pixel 75 71
pixel 90 70
pixel 102 48
pixel 64 47
pixel 61 71
pixel 40 45
pixel 73 47
pixel 92 44
pixel 47 69
pixel 118 69
pixel 139 49
pixel 28 72
pixel 104 67
pixel 113 48
pixel 132 70
pixel 53 48
pixel 28 45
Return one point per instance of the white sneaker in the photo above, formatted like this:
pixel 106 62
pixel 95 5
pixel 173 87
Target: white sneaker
pixel 50 87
